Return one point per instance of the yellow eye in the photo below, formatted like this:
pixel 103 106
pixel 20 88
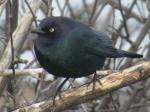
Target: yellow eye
pixel 51 29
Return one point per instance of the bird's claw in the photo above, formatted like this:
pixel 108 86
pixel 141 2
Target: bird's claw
pixel 58 91
pixel 94 80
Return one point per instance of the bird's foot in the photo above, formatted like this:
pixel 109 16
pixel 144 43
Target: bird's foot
pixel 71 83
pixel 58 91
pixel 94 80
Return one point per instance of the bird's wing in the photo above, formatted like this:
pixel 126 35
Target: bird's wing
pixel 93 42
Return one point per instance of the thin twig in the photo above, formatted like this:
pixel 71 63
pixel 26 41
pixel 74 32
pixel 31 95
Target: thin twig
pixel 70 9
pixel 124 20
pixel 93 11
pixel 34 17
pixel 12 48
pixel 113 103
pixel 98 13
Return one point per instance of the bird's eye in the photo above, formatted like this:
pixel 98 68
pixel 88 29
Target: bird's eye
pixel 51 29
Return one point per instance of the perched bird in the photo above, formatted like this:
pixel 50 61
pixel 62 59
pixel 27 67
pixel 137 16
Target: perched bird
pixel 70 49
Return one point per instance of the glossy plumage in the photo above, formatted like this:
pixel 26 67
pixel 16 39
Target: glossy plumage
pixel 67 48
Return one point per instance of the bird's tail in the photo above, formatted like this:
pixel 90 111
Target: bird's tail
pixel 128 54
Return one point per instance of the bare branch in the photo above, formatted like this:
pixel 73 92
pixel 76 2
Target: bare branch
pixel 2 5
pixel 141 35
pixel 115 4
pixel 30 72
pixel 19 35
pixel 83 94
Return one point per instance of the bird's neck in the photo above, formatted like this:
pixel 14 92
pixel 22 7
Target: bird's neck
pixel 45 42
pixel 43 48
pixel 46 46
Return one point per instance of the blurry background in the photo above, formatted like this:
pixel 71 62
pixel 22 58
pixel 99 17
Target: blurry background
pixel 127 22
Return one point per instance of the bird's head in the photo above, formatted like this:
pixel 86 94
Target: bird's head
pixel 55 27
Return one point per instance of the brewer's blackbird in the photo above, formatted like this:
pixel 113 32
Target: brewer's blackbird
pixel 70 49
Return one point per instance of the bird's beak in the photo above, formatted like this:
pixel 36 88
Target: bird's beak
pixel 38 30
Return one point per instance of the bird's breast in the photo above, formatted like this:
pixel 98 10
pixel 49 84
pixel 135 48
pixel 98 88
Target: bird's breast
pixel 48 57
pixel 67 61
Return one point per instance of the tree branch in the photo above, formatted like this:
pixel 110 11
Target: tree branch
pixel 83 94
pixel 18 72
pixel 115 4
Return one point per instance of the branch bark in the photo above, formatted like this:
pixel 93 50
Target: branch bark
pixel 83 94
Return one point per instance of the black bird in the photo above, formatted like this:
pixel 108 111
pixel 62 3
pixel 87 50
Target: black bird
pixel 70 49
